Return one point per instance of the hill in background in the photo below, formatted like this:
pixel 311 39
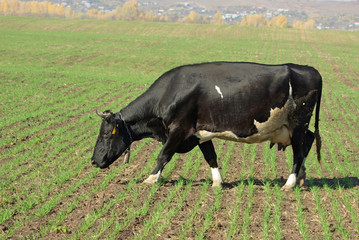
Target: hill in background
pixel 334 14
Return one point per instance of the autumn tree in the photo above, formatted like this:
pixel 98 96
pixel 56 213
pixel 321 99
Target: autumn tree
pixel 254 20
pixel 297 24
pixel 43 9
pixel 14 6
pixel 92 13
pixel 116 14
pixel 69 13
pixel 130 10
pixel 150 17
pixel 4 7
pixel 279 21
pixel 206 20
pixel 9 7
pixel 193 17
pixel 244 22
pixel 51 8
pixel 60 11
pixel 218 19
pixel 310 24
pixel 164 18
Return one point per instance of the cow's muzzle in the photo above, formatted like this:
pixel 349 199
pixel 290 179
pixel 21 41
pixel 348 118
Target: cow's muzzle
pixel 94 163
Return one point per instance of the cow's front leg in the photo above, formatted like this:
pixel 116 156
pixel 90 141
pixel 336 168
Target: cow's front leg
pixel 210 155
pixel 169 148
pixel 163 158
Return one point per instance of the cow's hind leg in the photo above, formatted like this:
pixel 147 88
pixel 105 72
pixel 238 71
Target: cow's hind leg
pixel 174 141
pixel 300 151
pixel 210 155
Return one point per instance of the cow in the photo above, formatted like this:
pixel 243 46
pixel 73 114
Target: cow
pixel 190 105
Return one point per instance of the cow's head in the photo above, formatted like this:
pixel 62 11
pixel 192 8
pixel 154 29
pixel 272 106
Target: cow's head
pixel 114 138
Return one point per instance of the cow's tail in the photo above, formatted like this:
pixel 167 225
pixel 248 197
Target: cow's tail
pixel 318 139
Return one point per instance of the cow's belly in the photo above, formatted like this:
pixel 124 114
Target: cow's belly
pixel 277 129
pixel 281 135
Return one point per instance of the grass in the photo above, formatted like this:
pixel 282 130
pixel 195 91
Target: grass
pixel 56 73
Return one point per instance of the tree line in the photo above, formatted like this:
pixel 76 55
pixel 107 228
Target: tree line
pixel 257 20
pixel 130 12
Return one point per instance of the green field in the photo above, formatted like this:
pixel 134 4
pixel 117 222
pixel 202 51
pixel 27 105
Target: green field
pixel 55 73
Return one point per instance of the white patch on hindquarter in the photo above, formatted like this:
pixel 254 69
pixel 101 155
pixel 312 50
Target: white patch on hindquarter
pixel 277 129
pixel 219 91
pixel 216 176
pixel 153 178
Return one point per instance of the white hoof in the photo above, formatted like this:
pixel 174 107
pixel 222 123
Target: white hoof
pixel 286 188
pixel 152 179
pixel 216 176
pixel 291 182
pixel 217 184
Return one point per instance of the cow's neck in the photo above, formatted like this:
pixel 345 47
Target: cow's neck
pixel 137 114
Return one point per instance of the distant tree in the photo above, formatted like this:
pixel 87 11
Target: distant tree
pixel 206 20
pixel 297 24
pixel 92 13
pixel 244 21
pixel 69 13
pixel 257 20
pixel 130 10
pixel 43 9
pixel 34 9
pixel 25 9
pixel 164 19
pixel 193 17
pixel 100 15
pixel 4 7
pixel 51 8
pixel 254 20
pixel 7 9
pixel 109 16
pixel 150 17
pixel 14 7
pixel 218 19
pixel 60 11
pixel 310 24
pixel 116 14
pixel 279 21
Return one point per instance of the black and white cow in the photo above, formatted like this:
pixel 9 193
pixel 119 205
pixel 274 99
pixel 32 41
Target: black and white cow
pixel 243 102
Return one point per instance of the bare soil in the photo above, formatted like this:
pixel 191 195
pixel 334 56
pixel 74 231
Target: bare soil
pixel 220 224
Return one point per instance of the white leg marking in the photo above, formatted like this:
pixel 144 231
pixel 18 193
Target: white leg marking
pixel 216 176
pixel 153 178
pixel 291 182
pixel 219 91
